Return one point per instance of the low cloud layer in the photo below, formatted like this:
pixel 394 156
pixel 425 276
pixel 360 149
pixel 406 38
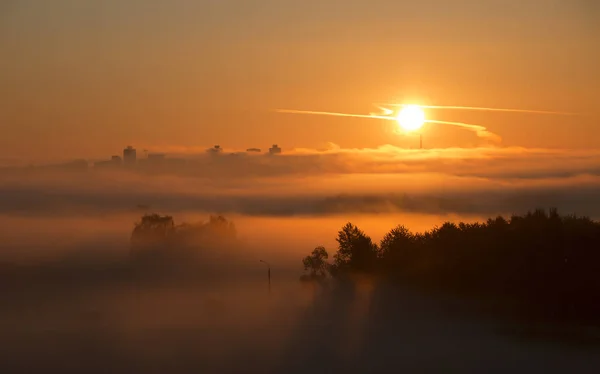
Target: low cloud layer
pixel 336 181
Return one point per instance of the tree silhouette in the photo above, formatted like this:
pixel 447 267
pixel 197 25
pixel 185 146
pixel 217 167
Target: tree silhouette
pixel 152 229
pixel 316 264
pixel 397 248
pixel 157 236
pixel 356 251
pixel 545 262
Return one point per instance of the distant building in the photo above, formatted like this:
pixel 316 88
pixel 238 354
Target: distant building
pixel 253 150
pixel 116 160
pixel 215 150
pixel 129 156
pixel 274 149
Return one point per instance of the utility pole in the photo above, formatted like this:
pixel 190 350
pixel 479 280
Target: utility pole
pixel 420 141
pixel 268 273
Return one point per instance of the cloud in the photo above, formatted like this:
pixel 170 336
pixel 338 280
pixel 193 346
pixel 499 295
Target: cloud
pixel 334 181
pixel 485 162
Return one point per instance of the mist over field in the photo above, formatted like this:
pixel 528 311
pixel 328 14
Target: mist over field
pixel 387 180
pixel 299 186
pixel 80 306
pixel 75 302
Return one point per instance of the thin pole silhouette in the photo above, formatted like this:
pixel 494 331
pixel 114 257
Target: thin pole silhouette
pixel 268 273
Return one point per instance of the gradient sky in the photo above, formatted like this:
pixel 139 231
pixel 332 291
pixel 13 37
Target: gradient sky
pixel 83 78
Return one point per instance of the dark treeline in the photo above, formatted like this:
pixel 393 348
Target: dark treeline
pixel 158 244
pixel 159 232
pixel 542 262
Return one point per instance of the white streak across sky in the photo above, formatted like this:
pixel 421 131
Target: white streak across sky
pixel 484 109
pixel 388 115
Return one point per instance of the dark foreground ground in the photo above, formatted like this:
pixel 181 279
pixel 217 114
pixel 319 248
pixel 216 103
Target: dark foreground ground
pixel 124 325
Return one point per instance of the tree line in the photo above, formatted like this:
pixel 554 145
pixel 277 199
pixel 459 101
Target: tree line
pixel 158 237
pixel 543 260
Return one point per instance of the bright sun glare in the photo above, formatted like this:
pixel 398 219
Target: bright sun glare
pixel 411 117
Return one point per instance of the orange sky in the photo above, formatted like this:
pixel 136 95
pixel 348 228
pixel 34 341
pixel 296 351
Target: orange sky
pixel 83 79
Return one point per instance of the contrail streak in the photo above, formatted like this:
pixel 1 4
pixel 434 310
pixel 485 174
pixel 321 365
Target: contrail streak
pixel 375 116
pixel 480 130
pixel 385 111
pixel 486 109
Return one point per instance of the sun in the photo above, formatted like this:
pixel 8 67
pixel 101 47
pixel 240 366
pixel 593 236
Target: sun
pixel 411 117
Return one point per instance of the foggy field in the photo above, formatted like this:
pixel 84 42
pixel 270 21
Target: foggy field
pixel 299 186
pixel 112 321
pixel 72 302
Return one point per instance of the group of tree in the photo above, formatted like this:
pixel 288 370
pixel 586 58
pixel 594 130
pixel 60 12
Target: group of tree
pixel 159 237
pixel 542 260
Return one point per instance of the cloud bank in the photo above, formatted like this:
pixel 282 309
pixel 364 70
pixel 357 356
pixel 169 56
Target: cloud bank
pixel 335 181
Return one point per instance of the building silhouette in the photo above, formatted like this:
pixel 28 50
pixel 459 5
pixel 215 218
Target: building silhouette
pixel 129 156
pixel 253 150
pixel 274 149
pixel 215 150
